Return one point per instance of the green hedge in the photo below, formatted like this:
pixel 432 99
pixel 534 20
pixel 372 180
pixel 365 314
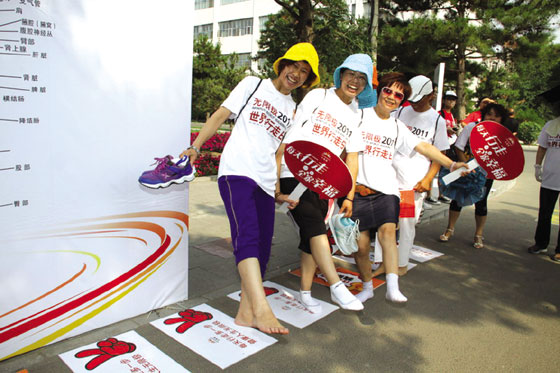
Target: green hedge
pixel 529 132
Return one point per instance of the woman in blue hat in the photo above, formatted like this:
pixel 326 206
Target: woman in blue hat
pixel 330 118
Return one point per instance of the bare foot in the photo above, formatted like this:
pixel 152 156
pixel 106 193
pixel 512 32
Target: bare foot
pixel 270 326
pixel 379 271
pixel 244 318
pixel 403 270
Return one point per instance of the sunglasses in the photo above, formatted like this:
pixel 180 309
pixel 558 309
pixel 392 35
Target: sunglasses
pixel 389 92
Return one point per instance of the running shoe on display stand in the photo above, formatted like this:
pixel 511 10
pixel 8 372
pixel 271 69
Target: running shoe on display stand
pixel 168 172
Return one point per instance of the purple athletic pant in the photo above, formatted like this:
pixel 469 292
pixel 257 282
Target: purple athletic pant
pixel 251 218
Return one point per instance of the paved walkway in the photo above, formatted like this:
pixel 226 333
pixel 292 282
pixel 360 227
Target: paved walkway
pixel 494 309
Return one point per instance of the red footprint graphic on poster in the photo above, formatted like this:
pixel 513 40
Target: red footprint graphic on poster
pixel 267 291
pixel 108 349
pixel 189 318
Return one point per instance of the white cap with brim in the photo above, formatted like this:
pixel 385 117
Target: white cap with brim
pixel 361 63
pixel 450 94
pixel 421 86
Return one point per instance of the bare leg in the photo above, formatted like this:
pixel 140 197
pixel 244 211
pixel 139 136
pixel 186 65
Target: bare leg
pixel 308 267
pixel 388 239
pixel 254 310
pixel 362 257
pixel 453 217
pixel 340 294
pixel 321 252
pixel 480 221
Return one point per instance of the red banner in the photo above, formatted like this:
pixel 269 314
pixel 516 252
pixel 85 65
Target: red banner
pixel 497 151
pixel 318 169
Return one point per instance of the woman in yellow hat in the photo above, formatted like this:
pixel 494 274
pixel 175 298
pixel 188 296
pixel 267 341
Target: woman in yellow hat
pixel 263 110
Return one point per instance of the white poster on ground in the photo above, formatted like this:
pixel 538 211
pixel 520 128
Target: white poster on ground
pixel 422 254
pixel 213 335
pixel 91 92
pixel 127 352
pixel 286 306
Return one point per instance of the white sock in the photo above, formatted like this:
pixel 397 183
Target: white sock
pixel 393 292
pixel 309 302
pixel 344 298
pixel 366 293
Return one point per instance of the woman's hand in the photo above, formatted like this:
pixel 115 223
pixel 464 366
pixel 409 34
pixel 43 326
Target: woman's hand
pixel 346 208
pixel 281 198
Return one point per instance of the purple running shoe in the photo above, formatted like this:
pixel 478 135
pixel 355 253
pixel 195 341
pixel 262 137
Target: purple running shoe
pixel 167 172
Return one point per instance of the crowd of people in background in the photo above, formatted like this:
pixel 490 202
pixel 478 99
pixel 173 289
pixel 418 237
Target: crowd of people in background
pixel 394 144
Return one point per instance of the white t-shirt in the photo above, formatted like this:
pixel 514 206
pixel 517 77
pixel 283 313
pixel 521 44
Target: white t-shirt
pixel 324 119
pixel 464 136
pixel 429 127
pixel 382 138
pixel 258 132
pixel 551 165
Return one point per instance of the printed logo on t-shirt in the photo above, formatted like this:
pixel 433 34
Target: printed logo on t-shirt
pixel 328 127
pixel 264 114
pixel 379 145
pixel 554 142
pixel 420 133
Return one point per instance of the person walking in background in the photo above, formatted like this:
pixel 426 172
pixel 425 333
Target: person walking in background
pixel 548 174
pixel 330 118
pixel 448 103
pixel 476 116
pixel 494 112
pixel 248 173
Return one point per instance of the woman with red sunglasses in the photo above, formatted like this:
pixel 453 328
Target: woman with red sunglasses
pixel 377 197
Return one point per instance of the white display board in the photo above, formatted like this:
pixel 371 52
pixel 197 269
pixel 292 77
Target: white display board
pixel 91 92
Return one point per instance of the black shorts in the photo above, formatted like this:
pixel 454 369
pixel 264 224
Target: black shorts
pixel 309 214
pixel 375 210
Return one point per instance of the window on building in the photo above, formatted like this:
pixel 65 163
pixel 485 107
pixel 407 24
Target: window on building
pixel 203 4
pixel 262 22
pixel 203 30
pixel 367 10
pixel 236 27
pixel 243 60
pixel 225 2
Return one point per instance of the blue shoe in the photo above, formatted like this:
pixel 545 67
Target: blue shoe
pixel 345 233
pixel 167 172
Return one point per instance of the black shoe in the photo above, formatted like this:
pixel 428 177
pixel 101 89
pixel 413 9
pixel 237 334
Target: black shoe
pixel 536 250
pixel 444 199
pixel 432 201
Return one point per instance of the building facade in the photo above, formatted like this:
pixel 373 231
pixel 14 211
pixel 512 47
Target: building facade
pixel 237 24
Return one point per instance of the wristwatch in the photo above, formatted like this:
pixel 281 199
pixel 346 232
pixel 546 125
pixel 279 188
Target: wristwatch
pixel 195 149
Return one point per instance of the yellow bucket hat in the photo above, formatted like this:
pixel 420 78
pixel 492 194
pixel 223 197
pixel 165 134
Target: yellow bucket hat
pixel 302 52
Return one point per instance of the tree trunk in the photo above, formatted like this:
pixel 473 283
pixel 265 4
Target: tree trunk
pixel 304 25
pixel 374 22
pixel 460 53
pixel 461 73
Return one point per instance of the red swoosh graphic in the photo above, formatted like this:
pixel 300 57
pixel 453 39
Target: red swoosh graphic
pixel 47 293
pixel 25 327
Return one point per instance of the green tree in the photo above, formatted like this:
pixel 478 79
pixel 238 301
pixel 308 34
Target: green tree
pixel 334 34
pixel 462 33
pixel 214 76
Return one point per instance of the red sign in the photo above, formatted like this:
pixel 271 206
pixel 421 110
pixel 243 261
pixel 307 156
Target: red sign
pixel 497 151
pixel 318 169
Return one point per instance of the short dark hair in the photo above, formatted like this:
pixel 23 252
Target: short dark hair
pixel 389 79
pixel 498 109
pixel 285 63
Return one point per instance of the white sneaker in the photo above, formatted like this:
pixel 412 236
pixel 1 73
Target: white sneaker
pixel 344 298
pixel 345 232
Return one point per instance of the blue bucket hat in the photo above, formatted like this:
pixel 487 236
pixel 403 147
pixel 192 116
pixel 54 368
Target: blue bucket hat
pixel 363 64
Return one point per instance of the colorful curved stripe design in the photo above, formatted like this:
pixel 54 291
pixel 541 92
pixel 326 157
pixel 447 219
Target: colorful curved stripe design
pixel 87 304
